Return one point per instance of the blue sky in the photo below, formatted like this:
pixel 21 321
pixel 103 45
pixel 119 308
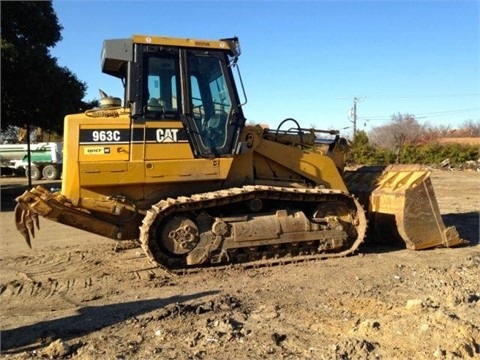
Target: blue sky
pixel 307 59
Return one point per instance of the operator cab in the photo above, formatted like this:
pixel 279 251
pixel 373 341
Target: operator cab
pixel 181 79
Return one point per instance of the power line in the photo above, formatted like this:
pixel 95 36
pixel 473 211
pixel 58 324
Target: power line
pixel 401 96
pixel 420 115
pixel 448 112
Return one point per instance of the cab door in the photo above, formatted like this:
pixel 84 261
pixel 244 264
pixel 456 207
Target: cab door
pixel 215 115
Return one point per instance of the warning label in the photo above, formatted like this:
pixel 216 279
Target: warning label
pixel 96 150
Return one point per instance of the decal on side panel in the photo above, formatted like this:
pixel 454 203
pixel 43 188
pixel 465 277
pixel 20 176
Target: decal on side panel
pixel 137 135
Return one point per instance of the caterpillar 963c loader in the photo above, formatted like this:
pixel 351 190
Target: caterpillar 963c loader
pixel 177 169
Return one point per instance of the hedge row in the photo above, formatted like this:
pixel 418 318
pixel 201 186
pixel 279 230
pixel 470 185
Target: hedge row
pixel 428 154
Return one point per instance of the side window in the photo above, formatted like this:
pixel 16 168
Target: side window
pixel 162 94
pixel 210 99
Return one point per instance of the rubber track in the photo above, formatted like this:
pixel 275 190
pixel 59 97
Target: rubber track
pixel 169 206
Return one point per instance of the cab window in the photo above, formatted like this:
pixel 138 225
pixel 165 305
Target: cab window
pixel 163 100
pixel 211 102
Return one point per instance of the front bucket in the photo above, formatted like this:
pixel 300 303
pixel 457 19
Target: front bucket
pixel 402 205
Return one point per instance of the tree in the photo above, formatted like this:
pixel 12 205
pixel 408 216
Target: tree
pixel 470 128
pixel 360 152
pixel 403 129
pixel 35 89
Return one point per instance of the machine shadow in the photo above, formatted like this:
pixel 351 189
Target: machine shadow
pixel 467 224
pixel 11 191
pixel 87 320
pixel 8 195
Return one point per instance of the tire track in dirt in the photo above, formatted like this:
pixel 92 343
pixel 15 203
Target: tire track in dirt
pixel 46 275
pixel 97 272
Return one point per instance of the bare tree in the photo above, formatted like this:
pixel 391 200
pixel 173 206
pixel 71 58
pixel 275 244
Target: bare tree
pixel 444 130
pixel 403 129
pixel 470 128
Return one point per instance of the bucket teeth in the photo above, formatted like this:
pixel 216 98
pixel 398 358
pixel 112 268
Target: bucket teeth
pixel 36 220
pixel 30 205
pixel 26 221
pixel 29 223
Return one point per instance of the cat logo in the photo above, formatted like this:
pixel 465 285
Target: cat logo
pixel 167 135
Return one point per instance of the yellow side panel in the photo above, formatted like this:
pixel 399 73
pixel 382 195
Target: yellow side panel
pixel 70 180
pixel 137 151
pixel 166 140
pixel 89 153
pixel 124 173
pixel 319 168
pixel 111 174
pixel 168 151
pixel 187 170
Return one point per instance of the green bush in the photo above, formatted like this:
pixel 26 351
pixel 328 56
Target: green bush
pixel 363 153
pixel 434 153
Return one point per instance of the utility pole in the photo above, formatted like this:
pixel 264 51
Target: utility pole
pixel 354 117
pixel 29 157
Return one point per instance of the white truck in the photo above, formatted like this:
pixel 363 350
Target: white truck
pixel 46 160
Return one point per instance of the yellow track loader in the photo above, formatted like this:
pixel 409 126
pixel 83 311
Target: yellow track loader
pixel 177 169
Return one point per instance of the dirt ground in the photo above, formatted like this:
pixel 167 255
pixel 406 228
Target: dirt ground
pixel 80 296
